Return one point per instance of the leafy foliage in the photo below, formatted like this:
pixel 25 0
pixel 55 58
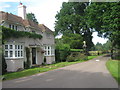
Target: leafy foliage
pixel 75 56
pixel 7 33
pixel 103 47
pixel 62 51
pixel 31 16
pixel 104 18
pixel 71 19
pixel 74 40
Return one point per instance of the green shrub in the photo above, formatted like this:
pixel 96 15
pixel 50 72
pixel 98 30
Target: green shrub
pixel 75 56
pixel 62 51
pixel 70 58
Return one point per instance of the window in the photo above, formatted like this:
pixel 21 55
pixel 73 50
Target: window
pixel 14 51
pixel 9 25
pixel 15 46
pixel 6 46
pixel 6 53
pixel 33 31
pixel 11 46
pixel 13 27
pixel 11 53
pixel 18 46
pixel 49 50
pixel 52 50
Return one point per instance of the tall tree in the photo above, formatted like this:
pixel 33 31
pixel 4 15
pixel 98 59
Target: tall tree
pixel 74 40
pixel 104 18
pixel 71 19
pixel 31 16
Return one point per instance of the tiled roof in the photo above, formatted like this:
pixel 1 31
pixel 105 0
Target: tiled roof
pixel 28 23
pixel 10 17
pixel 44 28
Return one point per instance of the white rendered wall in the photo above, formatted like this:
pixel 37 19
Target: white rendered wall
pixel 14 65
pixel 22 11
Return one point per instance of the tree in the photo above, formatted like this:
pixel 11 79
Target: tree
pixel 104 18
pixel 107 46
pixel 31 16
pixel 99 46
pixel 71 19
pixel 74 40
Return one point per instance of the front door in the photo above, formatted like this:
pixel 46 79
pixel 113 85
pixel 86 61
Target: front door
pixel 33 55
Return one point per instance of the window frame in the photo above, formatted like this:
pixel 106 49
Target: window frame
pixel 12 26
pixel 12 53
pixel 49 50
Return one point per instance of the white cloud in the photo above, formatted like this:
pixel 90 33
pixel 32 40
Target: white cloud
pixel 98 39
pixel 45 11
pixel 3 6
pixel 12 0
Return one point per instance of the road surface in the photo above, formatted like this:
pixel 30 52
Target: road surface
pixel 90 74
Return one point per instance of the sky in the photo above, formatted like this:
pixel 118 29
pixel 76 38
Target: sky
pixel 44 10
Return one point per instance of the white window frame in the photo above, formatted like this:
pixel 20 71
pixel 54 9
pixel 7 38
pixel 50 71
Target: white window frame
pixel 14 50
pixel 15 27
pixel 49 50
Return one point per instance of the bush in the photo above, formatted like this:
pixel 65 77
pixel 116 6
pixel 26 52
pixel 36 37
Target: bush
pixel 75 56
pixel 62 51
pixel 70 58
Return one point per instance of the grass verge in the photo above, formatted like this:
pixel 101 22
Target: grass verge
pixel 113 67
pixel 28 72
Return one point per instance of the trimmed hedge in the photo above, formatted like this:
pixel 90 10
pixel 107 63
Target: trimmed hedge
pixel 76 50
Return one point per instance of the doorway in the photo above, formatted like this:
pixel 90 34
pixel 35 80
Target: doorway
pixel 33 55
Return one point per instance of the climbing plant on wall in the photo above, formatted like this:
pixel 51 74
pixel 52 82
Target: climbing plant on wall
pixel 8 33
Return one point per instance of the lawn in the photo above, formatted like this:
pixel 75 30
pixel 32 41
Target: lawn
pixel 28 72
pixel 76 50
pixel 113 66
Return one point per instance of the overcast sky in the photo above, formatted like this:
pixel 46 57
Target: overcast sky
pixel 44 10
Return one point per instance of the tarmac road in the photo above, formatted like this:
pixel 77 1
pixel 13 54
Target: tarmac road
pixel 90 74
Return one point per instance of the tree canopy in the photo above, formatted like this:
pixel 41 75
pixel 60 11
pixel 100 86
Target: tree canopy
pixel 31 16
pixel 74 40
pixel 71 19
pixel 103 17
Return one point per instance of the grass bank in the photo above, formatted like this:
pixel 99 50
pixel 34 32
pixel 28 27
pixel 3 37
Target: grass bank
pixel 28 72
pixel 113 66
